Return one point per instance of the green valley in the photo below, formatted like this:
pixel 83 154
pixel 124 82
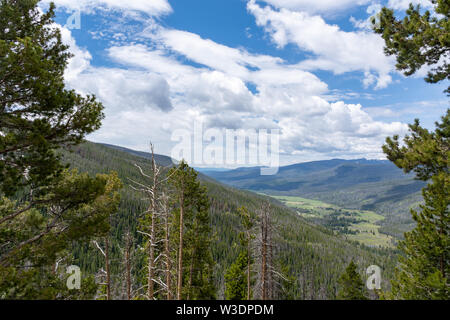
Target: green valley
pixel 360 184
pixel 359 225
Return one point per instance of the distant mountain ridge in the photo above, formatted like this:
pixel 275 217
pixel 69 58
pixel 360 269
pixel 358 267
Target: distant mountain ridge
pixel 326 174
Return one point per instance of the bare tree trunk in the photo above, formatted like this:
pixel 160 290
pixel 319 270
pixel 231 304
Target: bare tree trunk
pixel 167 250
pixel 128 264
pixel 180 253
pixel 191 272
pixel 264 257
pixel 442 257
pixel 266 254
pixel 168 270
pixel 271 282
pixel 108 274
pixel 151 257
pixel 248 267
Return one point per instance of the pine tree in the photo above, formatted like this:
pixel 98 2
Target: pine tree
pixel 266 257
pixel 418 39
pixel 236 278
pixel 37 114
pixel 192 225
pixel 288 286
pixel 352 287
pixel 423 271
pixel 246 238
pixel 79 210
pixel 44 208
pixel 424 265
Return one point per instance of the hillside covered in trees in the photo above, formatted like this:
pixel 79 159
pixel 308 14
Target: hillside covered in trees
pixel 313 256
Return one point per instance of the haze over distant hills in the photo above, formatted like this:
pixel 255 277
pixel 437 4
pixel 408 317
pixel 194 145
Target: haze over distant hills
pixel 376 185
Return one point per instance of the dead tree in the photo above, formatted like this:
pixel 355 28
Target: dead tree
pixel 180 248
pixel 167 252
pixel 152 195
pixel 269 277
pixel 265 252
pixel 106 272
pixel 154 215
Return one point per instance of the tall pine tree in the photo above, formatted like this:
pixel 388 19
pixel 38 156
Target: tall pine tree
pixel 424 268
pixel 193 234
pixel 44 208
pixel 236 278
pixel 423 271
pixel 352 286
pixel 420 39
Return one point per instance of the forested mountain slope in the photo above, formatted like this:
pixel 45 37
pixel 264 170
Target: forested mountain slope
pixel 375 185
pixel 314 256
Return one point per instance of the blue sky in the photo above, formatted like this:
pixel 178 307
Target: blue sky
pixel 312 69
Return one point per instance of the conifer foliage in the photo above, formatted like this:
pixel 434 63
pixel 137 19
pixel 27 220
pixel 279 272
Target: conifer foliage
pixel 352 286
pixel 424 268
pixel 419 39
pixel 44 208
pixel 177 234
pixel 192 227
pixel 423 39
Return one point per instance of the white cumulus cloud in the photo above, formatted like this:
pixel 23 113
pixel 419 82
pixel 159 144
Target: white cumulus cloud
pixel 151 90
pixel 150 7
pixel 317 6
pixel 404 4
pixel 334 49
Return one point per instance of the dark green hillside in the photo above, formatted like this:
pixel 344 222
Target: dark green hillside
pixel 314 255
pixel 353 184
pixel 162 160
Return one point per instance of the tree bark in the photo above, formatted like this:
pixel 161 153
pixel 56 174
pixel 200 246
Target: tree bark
pixel 264 258
pixel 168 262
pixel 128 265
pixel 180 253
pixel 152 240
pixel 108 275
pixel 248 268
pixel 442 258
pixel 191 272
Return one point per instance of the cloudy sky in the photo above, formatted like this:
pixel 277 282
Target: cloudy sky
pixel 312 69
